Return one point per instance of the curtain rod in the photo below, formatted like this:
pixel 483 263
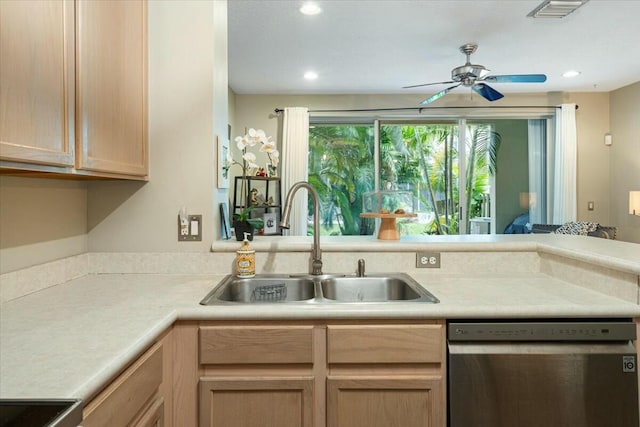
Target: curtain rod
pixel 371 110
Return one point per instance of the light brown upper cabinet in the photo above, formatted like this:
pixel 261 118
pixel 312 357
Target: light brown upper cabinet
pixel 37 82
pixel 74 91
pixel 112 80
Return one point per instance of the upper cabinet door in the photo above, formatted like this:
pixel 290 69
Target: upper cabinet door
pixel 111 67
pixel 37 81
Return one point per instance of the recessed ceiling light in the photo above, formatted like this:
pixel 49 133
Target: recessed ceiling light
pixel 310 8
pixel 310 75
pixel 571 73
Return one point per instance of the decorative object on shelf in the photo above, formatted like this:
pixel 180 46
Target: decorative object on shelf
pixel 253 199
pixel 254 137
pixel 266 192
pixel 270 223
pixel 242 223
pixel 224 221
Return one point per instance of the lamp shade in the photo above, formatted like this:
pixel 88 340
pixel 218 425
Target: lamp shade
pixel 634 203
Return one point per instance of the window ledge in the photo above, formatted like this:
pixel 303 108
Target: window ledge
pixel 465 243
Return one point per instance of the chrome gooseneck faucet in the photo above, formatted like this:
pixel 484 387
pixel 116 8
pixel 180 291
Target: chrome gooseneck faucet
pixel 316 255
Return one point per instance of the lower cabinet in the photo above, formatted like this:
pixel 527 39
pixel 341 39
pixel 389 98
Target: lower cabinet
pixel 385 375
pixel 356 401
pixel 258 401
pixel 330 373
pixel 136 397
pixel 153 416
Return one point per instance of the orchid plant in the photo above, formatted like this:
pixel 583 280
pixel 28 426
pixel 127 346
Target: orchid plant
pixel 253 138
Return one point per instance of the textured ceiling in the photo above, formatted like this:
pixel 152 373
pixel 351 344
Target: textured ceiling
pixel 376 47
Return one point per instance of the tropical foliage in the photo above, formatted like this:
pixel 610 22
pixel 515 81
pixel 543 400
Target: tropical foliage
pixel 341 170
pixel 419 158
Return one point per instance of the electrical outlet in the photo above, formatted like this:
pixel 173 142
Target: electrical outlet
pixel 428 260
pixel 191 230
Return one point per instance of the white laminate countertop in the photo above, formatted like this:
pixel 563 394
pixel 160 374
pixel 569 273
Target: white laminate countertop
pixel 72 339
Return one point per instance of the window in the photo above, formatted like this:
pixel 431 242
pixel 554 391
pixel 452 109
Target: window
pixel 341 169
pixel 424 158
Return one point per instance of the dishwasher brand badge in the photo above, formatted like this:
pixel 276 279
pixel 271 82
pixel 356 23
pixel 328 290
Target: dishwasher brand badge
pixel 628 363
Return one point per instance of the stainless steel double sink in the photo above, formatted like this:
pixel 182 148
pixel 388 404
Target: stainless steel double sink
pixel 276 288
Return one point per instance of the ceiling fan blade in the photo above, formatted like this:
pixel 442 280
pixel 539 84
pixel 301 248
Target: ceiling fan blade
pixel 518 78
pixel 439 95
pixel 427 84
pixel 487 92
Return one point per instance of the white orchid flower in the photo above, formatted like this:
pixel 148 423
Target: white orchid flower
pixel 274 156
pixel 241 142
pixel 268 147
pixel 250 158
pixel 256 136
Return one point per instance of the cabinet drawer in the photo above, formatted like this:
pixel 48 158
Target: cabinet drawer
pixel 385 344
pixel 256 344
pixel 119 403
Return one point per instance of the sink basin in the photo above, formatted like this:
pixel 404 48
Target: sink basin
pixel 40 412
pixel 262 288
pixel 328 289
pixel 384 288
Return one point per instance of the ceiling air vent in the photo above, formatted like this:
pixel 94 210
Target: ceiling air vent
pixel 555 9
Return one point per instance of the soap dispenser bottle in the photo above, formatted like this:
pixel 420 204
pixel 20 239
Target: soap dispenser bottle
pixel 245 260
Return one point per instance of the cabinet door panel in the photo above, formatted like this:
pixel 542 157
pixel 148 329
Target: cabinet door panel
pixel 37 81
pixel 153 416
pixel 123 399
pixel 384 402
pixel 112 78
pixel 250 402
pixel 385 344
pixel 256 344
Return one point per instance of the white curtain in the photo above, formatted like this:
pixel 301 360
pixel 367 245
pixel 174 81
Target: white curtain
pixel 565 162
pixel 294 163
pixel 537 171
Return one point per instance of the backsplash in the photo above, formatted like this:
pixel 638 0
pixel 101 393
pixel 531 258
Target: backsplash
pixel 28 280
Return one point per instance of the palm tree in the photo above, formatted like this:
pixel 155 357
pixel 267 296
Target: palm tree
pixel 433 150
pixel 482 160
pixel 414 157
pixel 341 169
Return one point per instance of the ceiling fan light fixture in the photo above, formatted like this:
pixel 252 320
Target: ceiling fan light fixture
pixel 555 8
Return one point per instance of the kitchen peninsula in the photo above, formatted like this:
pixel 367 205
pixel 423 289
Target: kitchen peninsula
pixel 74 338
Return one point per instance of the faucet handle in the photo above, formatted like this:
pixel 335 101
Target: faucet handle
pixel 360 267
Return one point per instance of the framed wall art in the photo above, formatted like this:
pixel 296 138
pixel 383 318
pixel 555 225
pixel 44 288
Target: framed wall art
pixel 223 169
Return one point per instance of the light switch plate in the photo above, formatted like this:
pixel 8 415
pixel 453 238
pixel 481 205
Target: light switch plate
pixel 428 260
pixel 194 229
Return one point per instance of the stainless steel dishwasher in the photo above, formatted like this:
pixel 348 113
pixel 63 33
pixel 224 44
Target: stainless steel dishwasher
pixel 542 374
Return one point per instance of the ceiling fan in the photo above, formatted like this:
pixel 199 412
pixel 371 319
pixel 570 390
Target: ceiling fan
pixel 475 76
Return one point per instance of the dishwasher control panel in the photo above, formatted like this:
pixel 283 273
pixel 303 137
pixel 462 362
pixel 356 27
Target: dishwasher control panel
pixel 542 331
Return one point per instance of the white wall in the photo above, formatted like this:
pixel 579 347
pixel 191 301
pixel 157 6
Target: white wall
pixel 40 220
pixel 187 106
pixel 625 159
